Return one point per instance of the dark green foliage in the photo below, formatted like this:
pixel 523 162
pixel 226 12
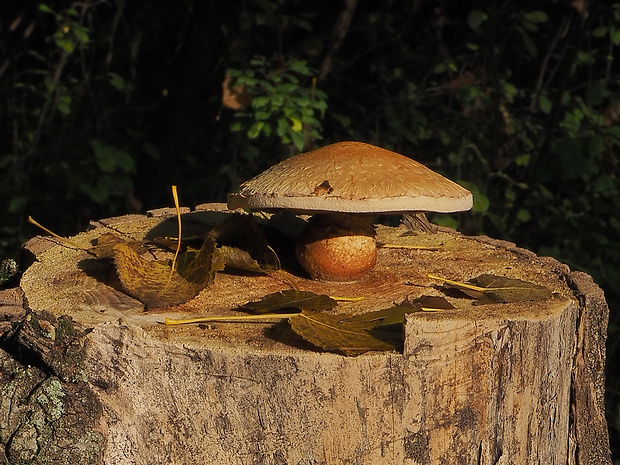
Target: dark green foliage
pixel 105 104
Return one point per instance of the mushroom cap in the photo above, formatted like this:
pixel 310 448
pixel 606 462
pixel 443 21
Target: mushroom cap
pixel 351 177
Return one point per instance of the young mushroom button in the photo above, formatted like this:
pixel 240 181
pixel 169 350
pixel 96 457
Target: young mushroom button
pixel 343 185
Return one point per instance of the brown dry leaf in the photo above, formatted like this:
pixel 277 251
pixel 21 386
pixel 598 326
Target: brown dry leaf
pixel 504 290
pixel 103 246
pixel 239 259
pixel 199 266
pixel 465 79
pixel 153 283
pixel 581 6
pixel 488 288
pixel 345 334
pixel 434 302
pixel 356 334
pixel 244 245
pixel 337 333
pixel 290 298
pixel 396 315
pixel 235 98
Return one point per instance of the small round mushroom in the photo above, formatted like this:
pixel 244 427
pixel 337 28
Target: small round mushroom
pixel 343 185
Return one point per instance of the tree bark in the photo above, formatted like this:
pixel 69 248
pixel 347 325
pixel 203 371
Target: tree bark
pixel 496 383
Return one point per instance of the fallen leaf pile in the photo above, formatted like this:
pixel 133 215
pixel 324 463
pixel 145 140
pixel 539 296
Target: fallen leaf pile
pixel 239 242
pixel 307 314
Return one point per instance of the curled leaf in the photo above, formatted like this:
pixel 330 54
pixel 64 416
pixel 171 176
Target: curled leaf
pixel 199 266
pixel 246 245
pixel 153 283
pixel 239 259
pixel 103 246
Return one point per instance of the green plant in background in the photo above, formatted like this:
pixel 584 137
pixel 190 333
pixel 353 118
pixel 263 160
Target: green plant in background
pixel 70 33
pixel 56 156
pixel 8 269
pixel 114 174
pixel 38 93
pixel 281 105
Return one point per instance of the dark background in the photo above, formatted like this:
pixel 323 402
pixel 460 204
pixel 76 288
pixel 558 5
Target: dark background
pixel 107 103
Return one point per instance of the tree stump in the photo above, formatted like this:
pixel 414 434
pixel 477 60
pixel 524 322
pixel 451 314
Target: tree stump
pixel 103 381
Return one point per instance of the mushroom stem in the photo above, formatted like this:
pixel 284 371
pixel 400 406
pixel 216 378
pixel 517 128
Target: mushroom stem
pixel 337 246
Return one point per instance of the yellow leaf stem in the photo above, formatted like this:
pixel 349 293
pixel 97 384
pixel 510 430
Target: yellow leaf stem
pixel 65 241
pixel 459 284
pixel 237 318
pixel 407 246
pixel 347 299
pixel 175 197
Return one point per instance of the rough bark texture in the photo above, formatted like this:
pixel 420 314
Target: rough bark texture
pixel 589 435
pixel 481 384
pixel 48 410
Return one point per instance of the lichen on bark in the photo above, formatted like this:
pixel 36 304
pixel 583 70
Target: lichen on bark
pixel 48 413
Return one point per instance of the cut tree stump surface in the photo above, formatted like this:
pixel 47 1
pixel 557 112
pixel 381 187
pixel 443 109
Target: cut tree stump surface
pixel 481 384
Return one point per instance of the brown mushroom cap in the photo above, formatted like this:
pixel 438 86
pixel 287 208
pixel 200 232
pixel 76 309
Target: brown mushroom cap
pixel 351 177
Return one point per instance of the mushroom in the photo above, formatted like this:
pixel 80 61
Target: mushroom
pixel 343 185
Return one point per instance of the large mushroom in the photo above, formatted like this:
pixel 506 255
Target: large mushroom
pixel 343 185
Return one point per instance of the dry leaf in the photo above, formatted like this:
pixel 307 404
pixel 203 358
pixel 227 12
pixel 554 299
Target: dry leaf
pixel 396 315
pixel 199 266
pixel 153 283
pixel 240 259
pixel 504 290
pixel 288 299
pixel 356 334
pixel 103 246
pixel 432 302
pixel 253 253
pixel 335 333
pixel 489 288
pixel 235 98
